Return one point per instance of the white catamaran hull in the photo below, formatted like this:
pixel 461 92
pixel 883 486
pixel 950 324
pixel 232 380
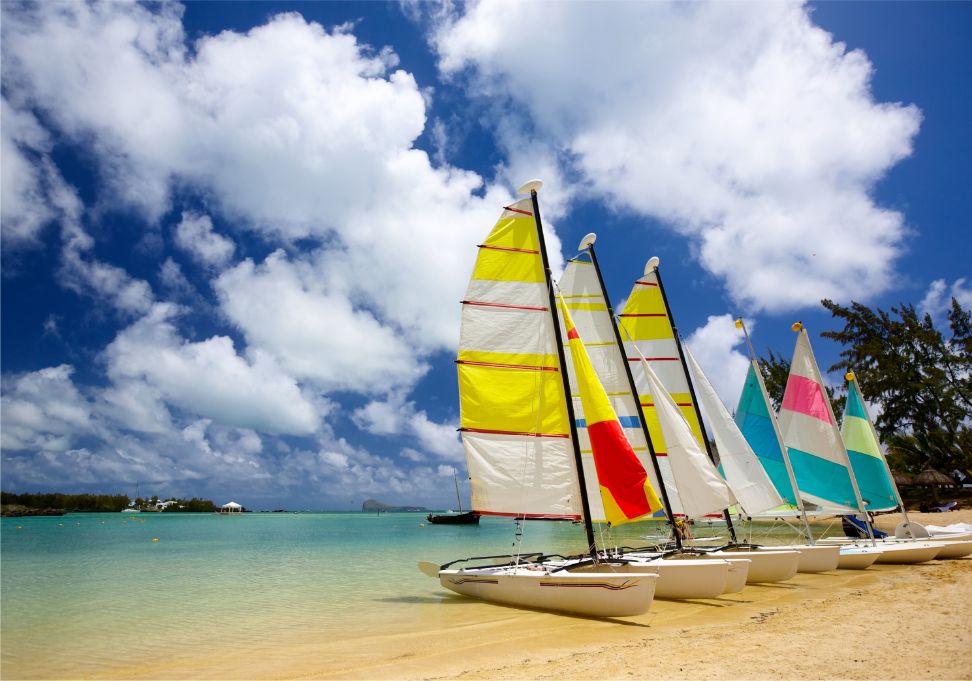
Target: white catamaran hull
pixel 955 549
pixel 680 579
pixel 767 565
pixel 679 576
pixel 857 557
pixel 912 550
pixel 596 594
pixel 908 553
pixel 738 573
pixel 817 558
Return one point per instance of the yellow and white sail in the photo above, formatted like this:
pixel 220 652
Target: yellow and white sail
pixel 694 485
pixel 513 411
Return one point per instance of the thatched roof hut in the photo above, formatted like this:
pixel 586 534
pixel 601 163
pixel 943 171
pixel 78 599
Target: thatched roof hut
pixel 932 478
pixel 903 479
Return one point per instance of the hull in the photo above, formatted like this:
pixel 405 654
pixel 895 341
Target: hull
pixel 680 579
pixel 738 573
pixel 817 558
pixel 955 549
pixel 595 594
pixel 767 565
pixel 908 553
pixel 857 557
pixel 454 519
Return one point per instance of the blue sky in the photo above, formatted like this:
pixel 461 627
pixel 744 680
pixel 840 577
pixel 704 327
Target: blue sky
pixel 235 235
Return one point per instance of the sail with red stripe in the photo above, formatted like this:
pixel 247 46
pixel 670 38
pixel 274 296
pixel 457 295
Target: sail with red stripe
pixel 625 490
pixel 513 411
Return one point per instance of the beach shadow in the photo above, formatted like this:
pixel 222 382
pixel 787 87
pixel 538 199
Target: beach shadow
pixel 415 599
pixel 455 599
pixel 711 602
pixel 775 585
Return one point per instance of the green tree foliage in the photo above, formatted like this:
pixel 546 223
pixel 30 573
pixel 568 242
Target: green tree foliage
pixel 922 380
pixel 84 503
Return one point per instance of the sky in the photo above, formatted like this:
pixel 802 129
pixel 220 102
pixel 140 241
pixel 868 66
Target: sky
pixel 235 235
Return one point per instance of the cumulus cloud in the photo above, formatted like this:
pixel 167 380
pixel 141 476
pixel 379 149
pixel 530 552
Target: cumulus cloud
pixel 743 126
pixel 209 378
pixel 397 416
pixel 43 410
pixel 290 130
pixel 194 234
pixel 938 298
pixel 714 347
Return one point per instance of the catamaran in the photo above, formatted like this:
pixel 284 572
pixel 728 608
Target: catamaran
pixel 682 574
pixel 670 409
pixel 821 464
pixel 519 431
pixel 876 481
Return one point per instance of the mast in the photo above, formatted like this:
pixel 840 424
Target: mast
pixel 800 329
pixel 852 378
pixel 532 188
pixel 688 379
pixel 776 431
pixel 589 241
pixel 455 479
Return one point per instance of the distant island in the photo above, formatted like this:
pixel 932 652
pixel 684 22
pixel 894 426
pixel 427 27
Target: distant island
pixel 55 503
pixel 375 505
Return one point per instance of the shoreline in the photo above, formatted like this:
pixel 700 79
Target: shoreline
pixel 887 622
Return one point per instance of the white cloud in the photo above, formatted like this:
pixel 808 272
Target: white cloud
pixel 23 209
pixel 208 378
pixel 194 234
pixel 938 298
pixel 290 310
pixel 397 416
pixel 714 347
pixel 744 126
pixel 290 130
pixel 43 410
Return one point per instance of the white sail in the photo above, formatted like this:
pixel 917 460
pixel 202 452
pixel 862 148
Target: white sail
pixel 513 412
pixel 746 477
pixel 582 294
pixel 701 490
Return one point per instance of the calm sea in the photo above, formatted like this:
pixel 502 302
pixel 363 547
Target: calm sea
pixel 85 594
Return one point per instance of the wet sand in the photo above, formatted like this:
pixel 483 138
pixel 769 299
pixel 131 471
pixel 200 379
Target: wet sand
pixel 888 622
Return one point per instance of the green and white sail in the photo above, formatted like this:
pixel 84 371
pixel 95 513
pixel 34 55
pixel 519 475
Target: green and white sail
pixel 864 450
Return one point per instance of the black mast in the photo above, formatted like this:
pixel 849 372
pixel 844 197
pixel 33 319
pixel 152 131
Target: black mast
pixel 578 462
pixel 637 399
pixel 695 401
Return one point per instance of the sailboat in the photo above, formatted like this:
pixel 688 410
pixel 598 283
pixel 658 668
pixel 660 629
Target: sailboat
pixel 876 481
pixel 654 423
pixel 821 465
pixel 460 518
pixel 670 409
pixel 519 432
pixel 682 574
pixel 746 476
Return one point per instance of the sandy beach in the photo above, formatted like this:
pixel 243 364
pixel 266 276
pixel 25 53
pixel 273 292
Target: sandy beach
pixel 888 622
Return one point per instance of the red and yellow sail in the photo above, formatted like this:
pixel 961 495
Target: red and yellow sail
pixel 626 492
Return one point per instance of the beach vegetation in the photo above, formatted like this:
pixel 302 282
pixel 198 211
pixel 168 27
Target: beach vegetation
pixel 918 378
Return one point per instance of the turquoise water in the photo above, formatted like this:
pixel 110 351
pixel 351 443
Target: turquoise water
pixel 83 591
pixel 93 594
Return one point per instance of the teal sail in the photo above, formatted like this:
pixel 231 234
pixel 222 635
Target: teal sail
pixel 756 423
pixel 867 460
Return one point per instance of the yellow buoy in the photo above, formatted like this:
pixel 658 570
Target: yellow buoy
pixel 155 538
